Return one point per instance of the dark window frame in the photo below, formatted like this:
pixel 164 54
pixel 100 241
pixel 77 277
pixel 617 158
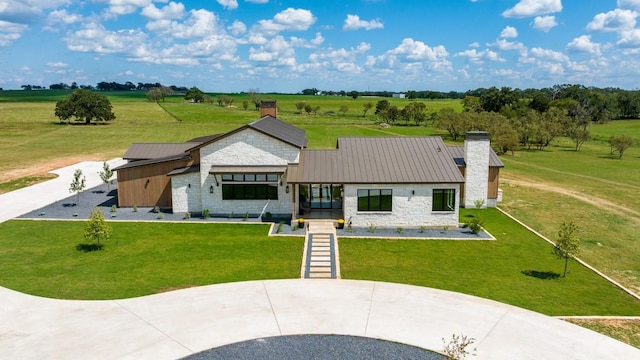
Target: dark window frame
pixel 249 191
pixel 443 200
pixel 375 200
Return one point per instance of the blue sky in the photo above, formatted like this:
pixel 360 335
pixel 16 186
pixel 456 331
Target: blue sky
pixel 287 46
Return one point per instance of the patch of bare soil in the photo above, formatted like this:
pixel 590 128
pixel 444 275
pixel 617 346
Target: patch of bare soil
pixel 625 330
pixel 44 168
pixel 601 203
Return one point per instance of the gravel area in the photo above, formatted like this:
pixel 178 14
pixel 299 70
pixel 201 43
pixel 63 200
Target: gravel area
pixel 104 198
pixel 319 347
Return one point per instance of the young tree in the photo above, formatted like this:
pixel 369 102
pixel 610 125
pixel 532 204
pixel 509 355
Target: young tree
pixel 344 109
pixel 366 107
pixel 154 94
pixel 354 94
pixel 85 105
pixel 620 143
pixel 245 104
pixel 97 228
pixel 300 106
pixel 78 184
pixel 568 244
pixel 106 175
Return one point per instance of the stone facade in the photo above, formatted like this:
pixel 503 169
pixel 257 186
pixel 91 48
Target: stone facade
pixel 185 193
pixel 476 156
pixel 245 148
pixel 411 206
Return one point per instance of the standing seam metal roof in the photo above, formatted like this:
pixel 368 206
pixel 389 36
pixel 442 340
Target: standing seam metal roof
pixel 379 160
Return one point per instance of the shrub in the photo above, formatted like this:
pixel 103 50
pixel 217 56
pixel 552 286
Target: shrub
pixel 280 226
pixel 135 208
pixel 205 213
pixel 399 230
pixel 372 228
pixel 113 208
pixel 422 229
pixel 156 209
pixel 456 348
pixel 478 203
pixel 186 216
pixel 475 225
pixel 246 216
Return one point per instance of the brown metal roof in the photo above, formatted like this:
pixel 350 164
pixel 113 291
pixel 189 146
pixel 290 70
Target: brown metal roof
pixel 141 151
pixel 379 160
pixel 281 130
pixel 137 163
pixel 184 170
pixel 248 169
pixel 458 156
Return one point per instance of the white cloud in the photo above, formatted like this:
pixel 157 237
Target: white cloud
pixel 479 57
pixel 172 11
pixel 95 38
pixel 199 24
pixel 548 54
pixel 287 20
pixel 257 1
pixel 411 51
pixel 10 32
pixel 124 7
pixel 228 4
pixel 276 52
pixel 630 38
pixel 584 44
pixel 505 45
pixel 237 28
pixel 313 43
pixel 58 64
pixel 509 32
pixel 629 4
pixel 26 11
pixel 353 22
pixel 544 23
pixel 615 20
pixel 529 8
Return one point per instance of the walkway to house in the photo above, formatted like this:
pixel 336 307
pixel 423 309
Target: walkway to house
pixel 320 259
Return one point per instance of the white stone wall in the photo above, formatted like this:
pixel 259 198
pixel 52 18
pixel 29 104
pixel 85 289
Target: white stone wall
pixel 476 157
pixel 246 148
pixel 411 207
pixel 185 193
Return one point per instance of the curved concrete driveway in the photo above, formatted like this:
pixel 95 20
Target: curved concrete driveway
pixel 179 323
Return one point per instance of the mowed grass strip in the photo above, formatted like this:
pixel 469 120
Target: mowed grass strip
pixel 518 269
pixel 40 258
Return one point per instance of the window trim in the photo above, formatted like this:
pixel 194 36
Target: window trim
pixel 249 191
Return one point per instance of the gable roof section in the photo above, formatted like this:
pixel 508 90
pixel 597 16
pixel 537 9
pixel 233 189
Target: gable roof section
pixel 367 160
pixel 458 156
pixel 141 151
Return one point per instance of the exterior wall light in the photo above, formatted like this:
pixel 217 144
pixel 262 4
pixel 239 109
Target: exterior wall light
pixel 286 189
pixel 211 189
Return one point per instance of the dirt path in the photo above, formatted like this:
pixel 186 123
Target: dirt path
pixel 601 203
pixel 44 168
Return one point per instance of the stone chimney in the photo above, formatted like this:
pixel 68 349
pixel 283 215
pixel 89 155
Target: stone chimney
pixel 476 157
pixel 268 107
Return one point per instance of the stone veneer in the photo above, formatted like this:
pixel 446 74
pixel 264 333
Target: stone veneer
pixel 476 156
pixel 411 206
pixel 245 148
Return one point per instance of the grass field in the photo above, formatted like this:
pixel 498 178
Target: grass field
pixel 40 258
pixel 518 269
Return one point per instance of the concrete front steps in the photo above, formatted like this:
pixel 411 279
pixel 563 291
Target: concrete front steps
pixel 320 259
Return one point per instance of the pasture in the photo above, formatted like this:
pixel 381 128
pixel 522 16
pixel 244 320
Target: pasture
pixel 542 188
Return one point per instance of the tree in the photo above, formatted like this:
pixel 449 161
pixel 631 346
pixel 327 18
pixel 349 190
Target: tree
pixel 344 109
pixel 245 104
pixel 300 106
pixel 568 244
pixel 106 174
pixel 620 143
pixel 97 228
pixel 194 94
pixel 382 105
pixel 354 94
pixel 308 108
pixel 154 94
pixel 85 105
pixel 78 184
pixel 366 107
pixel 412 94
pixel 579 135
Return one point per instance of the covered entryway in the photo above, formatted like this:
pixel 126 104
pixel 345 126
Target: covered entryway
pixel 320 201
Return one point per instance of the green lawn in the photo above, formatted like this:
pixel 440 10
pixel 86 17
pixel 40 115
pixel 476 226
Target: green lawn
pixel 40 258
pixel 501 270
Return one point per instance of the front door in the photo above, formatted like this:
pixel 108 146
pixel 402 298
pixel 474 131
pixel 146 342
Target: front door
pixel 321 196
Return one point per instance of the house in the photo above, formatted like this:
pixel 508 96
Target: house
pixel 265 166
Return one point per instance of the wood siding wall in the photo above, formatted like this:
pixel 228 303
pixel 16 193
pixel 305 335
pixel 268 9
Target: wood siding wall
pixel 147 185
pixel 493 184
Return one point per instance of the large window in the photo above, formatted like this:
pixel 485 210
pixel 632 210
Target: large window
pixel 374 200
pixel 249 192
pixel 444 200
